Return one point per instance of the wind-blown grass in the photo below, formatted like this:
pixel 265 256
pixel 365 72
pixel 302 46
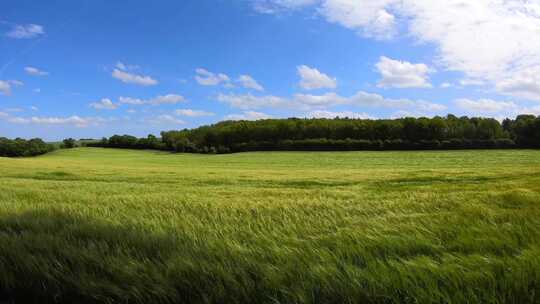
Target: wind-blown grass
pixel 94 225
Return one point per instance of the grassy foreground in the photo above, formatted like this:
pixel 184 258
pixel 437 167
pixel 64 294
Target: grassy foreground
pixel 94 225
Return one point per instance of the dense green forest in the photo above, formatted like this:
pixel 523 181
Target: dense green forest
pixel 20 147
pixel 338 134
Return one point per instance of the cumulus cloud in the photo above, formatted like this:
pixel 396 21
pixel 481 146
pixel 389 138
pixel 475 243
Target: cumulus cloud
pixel 371 18
pixel 206 78
pixel 445 85
pixel 308 102
pixel 166 119
pixel 486 106
pixel 76 121
pixel 364 99
pixel 320 101
pixel 6 86
pixel 159 100
pixel 192 113
pixel 488 40
pixel 26 31
pixel 248 115
pixel 248 82
pixel 471 82
pixel 525 84
pixel 126 67
pixel 32 71
pixel 104 104
pixel 250 102
pixel 131 78
pixel 490 107
pixel 312 79
pixel 402 74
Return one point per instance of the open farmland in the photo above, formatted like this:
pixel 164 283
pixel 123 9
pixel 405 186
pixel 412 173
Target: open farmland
pixel 103 225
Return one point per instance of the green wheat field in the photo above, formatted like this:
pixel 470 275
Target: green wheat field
pixel 117 226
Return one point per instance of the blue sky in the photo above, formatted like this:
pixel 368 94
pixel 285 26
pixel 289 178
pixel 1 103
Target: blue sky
pixel 96 68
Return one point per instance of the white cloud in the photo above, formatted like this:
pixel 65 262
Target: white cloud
pixel 499 109
pixel 371 18
pixel 6 86
pixel 445 85
pixel 26 31
pixel 121 66
pixel 489 40
pixel 166 120
pixel 126 67
pixel 471 82
pixel 525 84
pixel 35 71
pixel 250 102
pixel 206 78
pixel 37 91
pixel 402 74
pixel 248 82
pixel 307 102
pixel 344 114
pixel 312 79
pixel 159 100
pixel 34 108
pixel 104 104
pixel 530 110
pixel 132 78
pixel 486 106
pixel 320 101
pixel 248 115
pixel 364 99
pixel 77 121
pixel 192 113
pixel 368 17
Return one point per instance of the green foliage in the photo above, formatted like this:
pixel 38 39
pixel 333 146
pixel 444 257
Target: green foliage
pixel 129 142
pixel 69 143
pixel 342 134
pixel 526 130
pixel 20 147
pixel 449 132
pixel 121 226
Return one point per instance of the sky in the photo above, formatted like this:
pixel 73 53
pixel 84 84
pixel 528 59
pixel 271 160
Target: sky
pixel 94 68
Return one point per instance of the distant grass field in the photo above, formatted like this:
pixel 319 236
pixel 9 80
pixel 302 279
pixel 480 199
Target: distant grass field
pixel 116 226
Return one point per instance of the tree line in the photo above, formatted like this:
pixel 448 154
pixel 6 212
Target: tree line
pixel 19 147
pixel 342 134
pixel 338 134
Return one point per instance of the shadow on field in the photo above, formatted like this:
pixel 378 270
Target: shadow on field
pixel 52 257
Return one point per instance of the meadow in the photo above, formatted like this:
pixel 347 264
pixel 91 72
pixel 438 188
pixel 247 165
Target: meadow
pixel 93 225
